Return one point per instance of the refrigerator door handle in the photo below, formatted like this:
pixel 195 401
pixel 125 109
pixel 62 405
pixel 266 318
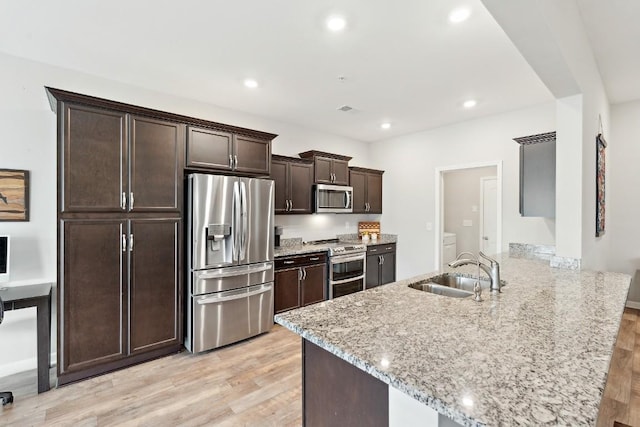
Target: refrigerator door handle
pixel 236 271
pixel 236 295
pixel 245 221
pixel 236 221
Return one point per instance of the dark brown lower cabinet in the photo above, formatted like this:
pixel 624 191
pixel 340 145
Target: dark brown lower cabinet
pixel 381 265
pixel 120 293
pixel 299 281
pixel 336 393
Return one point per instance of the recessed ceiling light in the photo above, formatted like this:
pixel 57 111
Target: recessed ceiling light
pixel 458 15
pixel 385 125
pixel 336 23
pixel 250 83
pixel 469 103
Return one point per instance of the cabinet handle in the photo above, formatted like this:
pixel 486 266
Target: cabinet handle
pixel 123 202
pixel 373 250
pixel 315 258
pixel 230 161
pixel 131 242
pixel 304 274
pixel 379 259
pixel 235 161
pixel 288 262
pixel 382 258
pixel 124 243
pixel 290 205
pixel 131 200
pixel 389 248
pixel 300 275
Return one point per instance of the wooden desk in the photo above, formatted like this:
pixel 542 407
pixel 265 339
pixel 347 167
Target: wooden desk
pixel 39 296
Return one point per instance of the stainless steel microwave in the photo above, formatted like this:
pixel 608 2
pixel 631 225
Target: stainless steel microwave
pixel 333 198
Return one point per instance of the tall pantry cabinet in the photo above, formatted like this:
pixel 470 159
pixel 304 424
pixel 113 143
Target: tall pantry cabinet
pixel 120 202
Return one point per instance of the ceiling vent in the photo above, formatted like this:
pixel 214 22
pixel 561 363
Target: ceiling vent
pixel 345 108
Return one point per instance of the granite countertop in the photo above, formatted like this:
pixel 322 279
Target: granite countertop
pixel 296 247
pixel 536 354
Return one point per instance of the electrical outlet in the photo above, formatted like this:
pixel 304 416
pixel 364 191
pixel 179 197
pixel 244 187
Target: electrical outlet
pixel 474 208
pixel 429 226
pixel 467 223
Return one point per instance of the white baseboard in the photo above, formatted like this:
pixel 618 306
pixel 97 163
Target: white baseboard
pixel 18 366
pixel 633 304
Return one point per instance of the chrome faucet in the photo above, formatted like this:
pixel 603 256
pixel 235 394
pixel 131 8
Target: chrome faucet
pixel 492 270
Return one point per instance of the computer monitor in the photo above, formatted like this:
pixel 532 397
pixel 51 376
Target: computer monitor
pixel 4 258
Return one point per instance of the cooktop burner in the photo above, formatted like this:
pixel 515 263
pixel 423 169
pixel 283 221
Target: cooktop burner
pixel 338 248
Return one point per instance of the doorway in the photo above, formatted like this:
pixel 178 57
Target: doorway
pixel 468 209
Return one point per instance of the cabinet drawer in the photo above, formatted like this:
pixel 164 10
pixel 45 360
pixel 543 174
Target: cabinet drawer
pixel 300 260
pixel 381 249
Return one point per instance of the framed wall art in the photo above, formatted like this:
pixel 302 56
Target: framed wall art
pixel 14 195
pixel 601 144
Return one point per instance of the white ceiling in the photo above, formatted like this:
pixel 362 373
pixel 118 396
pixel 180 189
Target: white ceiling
pixel 613 29
pixel 407 65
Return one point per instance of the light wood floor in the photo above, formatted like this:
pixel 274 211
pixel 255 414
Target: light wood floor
pixel 621 400
pixel 253 383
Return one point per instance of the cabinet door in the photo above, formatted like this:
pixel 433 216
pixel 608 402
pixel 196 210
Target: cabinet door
pixel 301 181
pixel 388 268
pixel 358 180
pixel 156 165
pixel 373 271
pixel 92 294
pixel 155 291
pixel 287 290
pixel 314 284
pixel 279 171
pixel 323 170
pixel 252 155
pixel 341 172
pixel 374 193
pixel 210 149
pixel 94 159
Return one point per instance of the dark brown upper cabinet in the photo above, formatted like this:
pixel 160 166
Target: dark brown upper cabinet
pixel 225 151
pixel 293 181
pixel 329 168
pixel 114 162
pixel 367 190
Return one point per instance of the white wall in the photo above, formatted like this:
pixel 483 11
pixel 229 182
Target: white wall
pixel 623 192
pixel 410 162
pixel 461 194
pixel 29 142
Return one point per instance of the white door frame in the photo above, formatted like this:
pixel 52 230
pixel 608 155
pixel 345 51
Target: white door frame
pixel 481 243
pixel 439 203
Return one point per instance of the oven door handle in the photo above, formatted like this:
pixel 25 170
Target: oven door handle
pixel 341 259
pixel 353 279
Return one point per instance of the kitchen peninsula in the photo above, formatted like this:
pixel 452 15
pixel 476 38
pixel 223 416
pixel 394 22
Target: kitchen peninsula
pixel 536 354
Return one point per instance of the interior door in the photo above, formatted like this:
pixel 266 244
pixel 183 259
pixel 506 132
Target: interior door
pixel 488 232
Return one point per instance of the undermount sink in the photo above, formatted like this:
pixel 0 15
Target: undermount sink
pixel 440 290
pixel 451 285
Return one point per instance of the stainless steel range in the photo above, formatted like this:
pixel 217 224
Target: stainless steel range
pixel 347 267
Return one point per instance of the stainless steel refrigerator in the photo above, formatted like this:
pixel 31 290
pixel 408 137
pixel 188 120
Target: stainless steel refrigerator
pixel 230 257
